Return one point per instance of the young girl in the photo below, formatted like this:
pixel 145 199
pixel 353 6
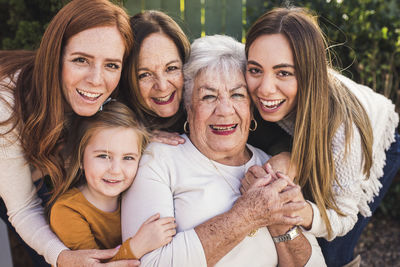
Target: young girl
pixel 104 162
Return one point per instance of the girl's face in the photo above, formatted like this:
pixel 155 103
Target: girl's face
pixel 271 76
pixel 160 75
pixel 110 161
pixel 91 68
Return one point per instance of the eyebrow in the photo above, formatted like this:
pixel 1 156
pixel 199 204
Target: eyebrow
pixel 239 86
pixel 282 65
pixel 108 151
pixel 168 63
pixel 90 56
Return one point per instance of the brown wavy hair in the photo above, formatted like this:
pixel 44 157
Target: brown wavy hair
pixel 114 114
pixel 39 108
pixel 323 104
pixel 144 24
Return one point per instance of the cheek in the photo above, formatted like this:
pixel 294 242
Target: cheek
pixel 113 80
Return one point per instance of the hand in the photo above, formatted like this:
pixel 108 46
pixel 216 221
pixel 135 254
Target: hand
pixel 281 163
pixel 270 202
pixel 92 257
pixel 252 174
pixel 167 138
pixel 153 233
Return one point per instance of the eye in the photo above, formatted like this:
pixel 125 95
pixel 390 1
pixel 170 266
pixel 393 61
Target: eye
pixel 254 70
pixel 209 97
pixel 238 95
pixel 144 75
pixel 80 60
pixel 172 68
pixel 103 156
pixel 113 66
pixel 284 73
pixel 129 158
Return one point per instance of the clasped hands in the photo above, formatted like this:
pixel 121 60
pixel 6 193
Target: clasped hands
pixel 272 199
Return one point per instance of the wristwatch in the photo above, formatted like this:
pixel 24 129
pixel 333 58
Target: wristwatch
pixel 290 235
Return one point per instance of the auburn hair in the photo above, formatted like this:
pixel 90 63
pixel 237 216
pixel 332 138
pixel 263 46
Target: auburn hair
pixel 39 105
pixel 323 105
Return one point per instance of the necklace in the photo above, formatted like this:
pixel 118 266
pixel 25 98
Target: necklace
pixel 253 232
pixel 226 180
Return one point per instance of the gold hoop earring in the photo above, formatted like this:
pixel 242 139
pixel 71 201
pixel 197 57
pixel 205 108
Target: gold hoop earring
pixel 185 127
pixel 255 125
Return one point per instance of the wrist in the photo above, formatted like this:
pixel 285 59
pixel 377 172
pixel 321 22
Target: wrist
pixel 135 248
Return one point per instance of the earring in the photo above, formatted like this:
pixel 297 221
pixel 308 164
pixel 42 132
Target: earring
pixel 255 125
pixel 185 127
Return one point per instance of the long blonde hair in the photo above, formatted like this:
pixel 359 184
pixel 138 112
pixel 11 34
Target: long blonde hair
pixel 323 105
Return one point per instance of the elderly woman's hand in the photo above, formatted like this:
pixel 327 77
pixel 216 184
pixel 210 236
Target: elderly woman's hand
pixel 167 138
pixel 92 257
pixel 270 202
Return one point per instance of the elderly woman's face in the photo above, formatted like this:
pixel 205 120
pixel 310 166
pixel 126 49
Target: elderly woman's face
pixel 160 74
pixel 219 116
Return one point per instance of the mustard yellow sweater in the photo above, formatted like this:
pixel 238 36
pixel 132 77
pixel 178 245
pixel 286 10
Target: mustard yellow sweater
pixel 80 225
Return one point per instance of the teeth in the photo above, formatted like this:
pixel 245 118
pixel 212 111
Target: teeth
pixel 163 99
pixel 223 128
pixel 92 95
pixel 112 181
pixel 271 103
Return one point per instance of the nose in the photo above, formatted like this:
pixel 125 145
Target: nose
pixel 224 107
pixel 115 166
pixel 267 86
pixel 161 83
pixel 95 77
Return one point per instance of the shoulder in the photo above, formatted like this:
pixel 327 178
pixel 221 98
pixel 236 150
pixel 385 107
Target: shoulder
pixel 71 199
pixel 258 154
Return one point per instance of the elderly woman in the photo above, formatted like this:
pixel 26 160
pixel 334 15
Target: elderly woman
pixel 198 182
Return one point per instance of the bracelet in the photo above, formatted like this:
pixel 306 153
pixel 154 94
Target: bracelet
pixel 290 235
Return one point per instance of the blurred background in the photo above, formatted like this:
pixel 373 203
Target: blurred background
pixel 364 39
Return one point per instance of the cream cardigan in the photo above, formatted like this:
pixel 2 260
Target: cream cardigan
pixel 356 191
pixel 18 191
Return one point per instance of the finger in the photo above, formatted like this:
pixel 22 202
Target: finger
pixel 288 220
pixel 270 170
pixel 103 254
pixel 152 218
pixel 257 171
pixel 170 232
pixel 290 208
pixel 120 263
pixel 284 176
pixel 278 185
pixel 290 193
pixel 260 182
pixel 167 220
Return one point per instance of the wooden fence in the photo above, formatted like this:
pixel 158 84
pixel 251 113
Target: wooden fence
pixel 204 17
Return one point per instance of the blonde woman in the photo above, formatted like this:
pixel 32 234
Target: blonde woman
pixel 345 143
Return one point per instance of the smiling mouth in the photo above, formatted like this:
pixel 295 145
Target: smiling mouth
pixel 111 181
pixel 272 104
pixel 164 100
pixel 223 129
pixel 88 95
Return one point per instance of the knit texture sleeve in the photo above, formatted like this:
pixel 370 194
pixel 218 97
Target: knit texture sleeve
pixel 347 191
pixel 19 195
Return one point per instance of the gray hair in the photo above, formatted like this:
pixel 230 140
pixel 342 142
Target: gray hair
pixel 217 53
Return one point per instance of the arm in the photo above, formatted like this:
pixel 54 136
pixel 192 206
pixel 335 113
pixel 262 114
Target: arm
pixel 264 205
pixel 71 227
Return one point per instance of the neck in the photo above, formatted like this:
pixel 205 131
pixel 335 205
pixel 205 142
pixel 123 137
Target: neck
pixel 233 159
pixel 104 203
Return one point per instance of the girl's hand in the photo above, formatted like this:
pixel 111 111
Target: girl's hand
pixel 281 163
pixel 167 138
pixel 92 257
pixel 153 233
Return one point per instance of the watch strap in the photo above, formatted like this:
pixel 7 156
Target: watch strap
pixel 290 235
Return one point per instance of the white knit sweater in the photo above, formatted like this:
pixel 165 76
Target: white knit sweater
pixel 18 191
pixel 356 191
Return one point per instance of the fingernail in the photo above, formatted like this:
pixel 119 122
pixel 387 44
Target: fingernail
pixel 117 247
